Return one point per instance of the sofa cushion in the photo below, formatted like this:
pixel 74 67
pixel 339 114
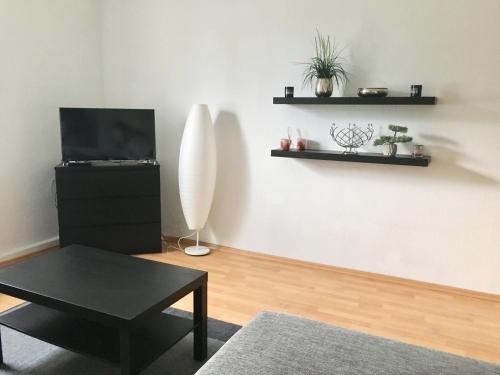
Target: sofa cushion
pixel 275 343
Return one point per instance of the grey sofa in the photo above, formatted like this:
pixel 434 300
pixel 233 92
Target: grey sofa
pixel 274 343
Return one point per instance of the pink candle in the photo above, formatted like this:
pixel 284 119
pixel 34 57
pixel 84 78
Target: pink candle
pixel 285 144
pixel 301 144
pixel 418 151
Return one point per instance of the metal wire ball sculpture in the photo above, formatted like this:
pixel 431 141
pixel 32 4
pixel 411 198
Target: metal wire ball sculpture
pixel 351 137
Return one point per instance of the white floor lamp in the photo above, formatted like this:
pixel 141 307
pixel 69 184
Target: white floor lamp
pixel 197 171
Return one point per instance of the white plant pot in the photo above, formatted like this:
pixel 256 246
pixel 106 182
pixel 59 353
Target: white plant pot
pixel 389 149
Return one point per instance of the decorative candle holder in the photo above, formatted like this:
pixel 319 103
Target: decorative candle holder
pixel 285 144
pixel 416 91
pixel 289 91
pixel 301 144
pixel 418 151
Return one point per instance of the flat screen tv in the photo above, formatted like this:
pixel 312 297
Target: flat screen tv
pixel 89 134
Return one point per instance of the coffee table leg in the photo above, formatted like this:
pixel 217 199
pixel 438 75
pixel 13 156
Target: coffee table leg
pixel 126 363
pixel 200 322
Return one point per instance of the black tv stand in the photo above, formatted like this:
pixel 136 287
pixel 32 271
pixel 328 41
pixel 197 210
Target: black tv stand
pixel 113 205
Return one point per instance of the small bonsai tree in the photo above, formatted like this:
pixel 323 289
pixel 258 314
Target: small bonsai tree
pixel 395 138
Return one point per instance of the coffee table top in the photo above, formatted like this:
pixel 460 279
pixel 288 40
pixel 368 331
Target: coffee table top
pixel 99 284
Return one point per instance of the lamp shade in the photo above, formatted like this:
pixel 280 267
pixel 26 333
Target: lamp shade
pixel 197 167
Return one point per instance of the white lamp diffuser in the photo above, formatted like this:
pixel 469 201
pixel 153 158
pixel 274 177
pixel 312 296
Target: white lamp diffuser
pixel 197 172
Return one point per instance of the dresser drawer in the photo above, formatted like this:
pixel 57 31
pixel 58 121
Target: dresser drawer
pixel 93 212
pixel 125 239
pixel 78 183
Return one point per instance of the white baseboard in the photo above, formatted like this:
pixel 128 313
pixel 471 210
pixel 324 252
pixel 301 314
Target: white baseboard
pixel 26 250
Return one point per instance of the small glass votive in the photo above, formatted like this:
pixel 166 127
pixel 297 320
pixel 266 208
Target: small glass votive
pixel 418 151
pixel 301 144
pixel 289 91
pixel 285 144
pixel 416 91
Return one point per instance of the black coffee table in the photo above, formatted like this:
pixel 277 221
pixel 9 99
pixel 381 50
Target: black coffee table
pixel 105 304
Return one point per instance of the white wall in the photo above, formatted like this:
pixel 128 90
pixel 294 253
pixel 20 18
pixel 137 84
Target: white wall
pixel 437 224
pixel 49 58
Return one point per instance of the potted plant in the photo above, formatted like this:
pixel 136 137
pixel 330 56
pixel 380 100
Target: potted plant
pixel 325 67
pixel 389 142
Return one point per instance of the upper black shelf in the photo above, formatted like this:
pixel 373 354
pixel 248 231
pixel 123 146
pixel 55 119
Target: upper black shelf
pixel 356 100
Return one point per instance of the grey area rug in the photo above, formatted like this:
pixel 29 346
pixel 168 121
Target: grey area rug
pixel 26 355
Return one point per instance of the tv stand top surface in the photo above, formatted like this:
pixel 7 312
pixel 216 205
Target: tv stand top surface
pixel 110 164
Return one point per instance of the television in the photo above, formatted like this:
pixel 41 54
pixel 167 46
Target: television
pixel 92 134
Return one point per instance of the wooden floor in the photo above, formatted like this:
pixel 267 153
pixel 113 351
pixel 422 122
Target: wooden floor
pixel 242 284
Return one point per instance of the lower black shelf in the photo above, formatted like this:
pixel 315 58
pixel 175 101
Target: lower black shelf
pixel 362 157
pixel 85 337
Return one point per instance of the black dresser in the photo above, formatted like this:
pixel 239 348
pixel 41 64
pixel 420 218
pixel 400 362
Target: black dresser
pixel 110 206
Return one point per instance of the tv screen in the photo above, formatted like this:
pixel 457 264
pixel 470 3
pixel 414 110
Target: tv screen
pixel 107 134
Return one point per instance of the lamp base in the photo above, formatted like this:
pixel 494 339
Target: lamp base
pixel 197 250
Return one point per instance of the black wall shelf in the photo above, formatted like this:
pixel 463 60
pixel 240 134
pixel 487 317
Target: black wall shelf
pixel 362 157
pixel 356 100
